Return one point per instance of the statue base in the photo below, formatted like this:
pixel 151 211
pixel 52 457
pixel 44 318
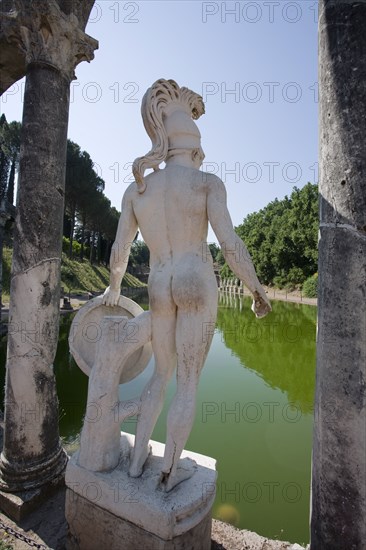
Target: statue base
pixel 105 508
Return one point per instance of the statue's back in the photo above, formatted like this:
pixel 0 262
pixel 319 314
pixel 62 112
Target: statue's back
pixel 172 212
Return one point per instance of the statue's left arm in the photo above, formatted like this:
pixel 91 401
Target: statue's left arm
pixel 126 232
pixel 233 248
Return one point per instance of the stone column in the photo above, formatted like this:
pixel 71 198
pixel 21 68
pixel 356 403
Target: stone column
pixel 53 43
pixel 339 452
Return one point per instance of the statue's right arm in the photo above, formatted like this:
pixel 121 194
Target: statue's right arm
pixel 233 248
pixel 126 232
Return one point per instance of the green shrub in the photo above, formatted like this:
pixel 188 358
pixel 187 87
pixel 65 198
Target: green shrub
pixel 279 281
pixel 295 276
pixel 7 255
pixel 76 247
pixel 310 287
pixel 226 272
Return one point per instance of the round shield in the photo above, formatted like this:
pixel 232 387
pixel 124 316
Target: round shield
pixel 85 335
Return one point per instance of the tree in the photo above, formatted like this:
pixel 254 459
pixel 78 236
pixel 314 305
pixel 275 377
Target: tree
pixel 89 216
pixel 99 208
pixel 87 208
pixel 82 187
pixel 73 184
pixel 9 156
pixel 139 255
pixel 4 158
pixel 12 141
pixel 109 231
pixel 282 237
pixel 214 249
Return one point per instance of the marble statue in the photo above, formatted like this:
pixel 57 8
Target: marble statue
pixel 172 208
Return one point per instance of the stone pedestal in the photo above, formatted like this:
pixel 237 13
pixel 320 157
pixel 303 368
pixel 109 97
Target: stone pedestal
pixel 105 508
pixel 18 505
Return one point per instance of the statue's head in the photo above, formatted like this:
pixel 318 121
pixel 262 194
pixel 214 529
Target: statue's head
pixel 167 111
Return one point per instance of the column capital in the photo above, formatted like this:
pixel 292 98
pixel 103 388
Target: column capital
pixel 40 32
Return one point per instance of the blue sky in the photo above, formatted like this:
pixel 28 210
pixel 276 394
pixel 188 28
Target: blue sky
pixel 254 63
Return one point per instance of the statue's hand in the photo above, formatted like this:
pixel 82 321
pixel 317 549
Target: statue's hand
pixel 261 305
pixel 111 297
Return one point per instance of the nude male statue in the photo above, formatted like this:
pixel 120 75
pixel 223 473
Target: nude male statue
pixel 172 208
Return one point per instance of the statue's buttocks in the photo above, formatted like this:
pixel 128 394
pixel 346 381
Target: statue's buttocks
pixel 194 283
pixel 189 282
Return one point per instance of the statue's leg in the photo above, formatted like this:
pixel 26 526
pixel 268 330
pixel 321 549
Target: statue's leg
pixel 152 400
pixel 194 335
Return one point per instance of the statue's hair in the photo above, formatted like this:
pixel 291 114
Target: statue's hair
pixel 156 99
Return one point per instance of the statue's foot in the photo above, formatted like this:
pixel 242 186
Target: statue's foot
pixel 137 463
pixel 185 470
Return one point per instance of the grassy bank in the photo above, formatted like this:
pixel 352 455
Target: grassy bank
pixel 76 276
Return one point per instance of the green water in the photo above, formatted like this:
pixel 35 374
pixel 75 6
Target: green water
pixel 254 413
